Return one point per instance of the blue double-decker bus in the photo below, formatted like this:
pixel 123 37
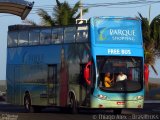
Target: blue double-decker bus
pixel 77 66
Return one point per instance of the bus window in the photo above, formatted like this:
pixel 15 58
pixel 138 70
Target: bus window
pixel 12 39
pixel 82 34
pixel 116 65
pixel 57 35
pixel 34 37
pixel 69 34
pixel 45 36
pixel 134 73
pixel 23 38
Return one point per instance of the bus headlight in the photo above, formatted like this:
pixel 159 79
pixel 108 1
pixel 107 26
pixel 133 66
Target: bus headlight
pixel 139 97
pixel 102 97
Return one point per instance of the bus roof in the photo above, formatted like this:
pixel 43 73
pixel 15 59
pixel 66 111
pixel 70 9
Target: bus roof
pixel 117 17
pixel 28 27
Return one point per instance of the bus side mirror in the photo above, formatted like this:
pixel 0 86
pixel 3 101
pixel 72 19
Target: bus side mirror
pixel 87 73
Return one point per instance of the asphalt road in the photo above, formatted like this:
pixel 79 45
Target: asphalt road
pixel 12 112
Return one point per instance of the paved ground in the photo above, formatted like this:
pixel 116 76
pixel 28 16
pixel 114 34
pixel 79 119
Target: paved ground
pixel 11 112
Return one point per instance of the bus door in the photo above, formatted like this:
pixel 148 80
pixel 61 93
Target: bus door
pixel 52 84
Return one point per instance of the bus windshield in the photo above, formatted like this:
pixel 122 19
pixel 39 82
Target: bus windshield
pixel 120 73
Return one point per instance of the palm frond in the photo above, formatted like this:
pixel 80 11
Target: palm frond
pixel 46 19
pixel 140 16
pixel 64 14
pixel 84 12
pixel 75 8
pixel 58 3
pixel 155 32
pixel 30 22
pixel 150 36
pixel 155 71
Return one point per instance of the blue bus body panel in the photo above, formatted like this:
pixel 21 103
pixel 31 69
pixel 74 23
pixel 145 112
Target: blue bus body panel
pixel 115 31
pixel 34 55
pixel 117 51
pixel 28 69
pixel 116 37
pixel 117 100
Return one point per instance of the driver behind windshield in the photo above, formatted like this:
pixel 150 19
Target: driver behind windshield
pixel 108 80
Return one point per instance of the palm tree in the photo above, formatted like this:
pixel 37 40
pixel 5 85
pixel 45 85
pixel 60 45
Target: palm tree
pixel 151 40
pixel 63 14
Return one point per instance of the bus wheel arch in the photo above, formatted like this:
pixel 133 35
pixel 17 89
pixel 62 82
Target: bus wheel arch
pixel 27 100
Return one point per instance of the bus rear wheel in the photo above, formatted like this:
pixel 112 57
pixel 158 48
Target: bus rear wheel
pixel 73 105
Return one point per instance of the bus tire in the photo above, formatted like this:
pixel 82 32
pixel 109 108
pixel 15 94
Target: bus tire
pixel 73 105
pixel 27 101
pixel 117 111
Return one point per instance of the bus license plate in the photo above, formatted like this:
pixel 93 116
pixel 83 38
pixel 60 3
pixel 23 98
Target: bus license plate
pixel 120 103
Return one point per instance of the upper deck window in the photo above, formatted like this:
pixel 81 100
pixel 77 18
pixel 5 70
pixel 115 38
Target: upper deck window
pixel 12 39
pixel 69 34
pixel 23 38
pixel 82 34
pixel 45 36
pixel 57 35
pixel 34 37
pixel 23 35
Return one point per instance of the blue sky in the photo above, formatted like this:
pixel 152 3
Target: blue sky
pixel 130 11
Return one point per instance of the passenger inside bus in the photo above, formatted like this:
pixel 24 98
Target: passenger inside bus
pixel 121 76
pixel 107 79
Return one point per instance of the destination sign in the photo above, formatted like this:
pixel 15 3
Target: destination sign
pixel 119 51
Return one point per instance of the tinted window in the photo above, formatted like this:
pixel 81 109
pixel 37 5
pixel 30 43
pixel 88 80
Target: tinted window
pixel 69 34
pixel 12 39
pixel 34 37
pixel 45 36
pixel 120 74
pixel 82 34
pixel 57 35
pixel 23 38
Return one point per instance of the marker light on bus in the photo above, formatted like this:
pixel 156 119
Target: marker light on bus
pixel 139 106
pixel 102 97
pixel 101 106
pixel 139 97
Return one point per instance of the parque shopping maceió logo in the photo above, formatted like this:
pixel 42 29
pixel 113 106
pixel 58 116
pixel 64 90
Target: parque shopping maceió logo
pixel 122 34
pixel 117 34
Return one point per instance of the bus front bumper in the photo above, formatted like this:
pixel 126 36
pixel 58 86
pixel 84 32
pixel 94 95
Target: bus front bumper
pixel 104 103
